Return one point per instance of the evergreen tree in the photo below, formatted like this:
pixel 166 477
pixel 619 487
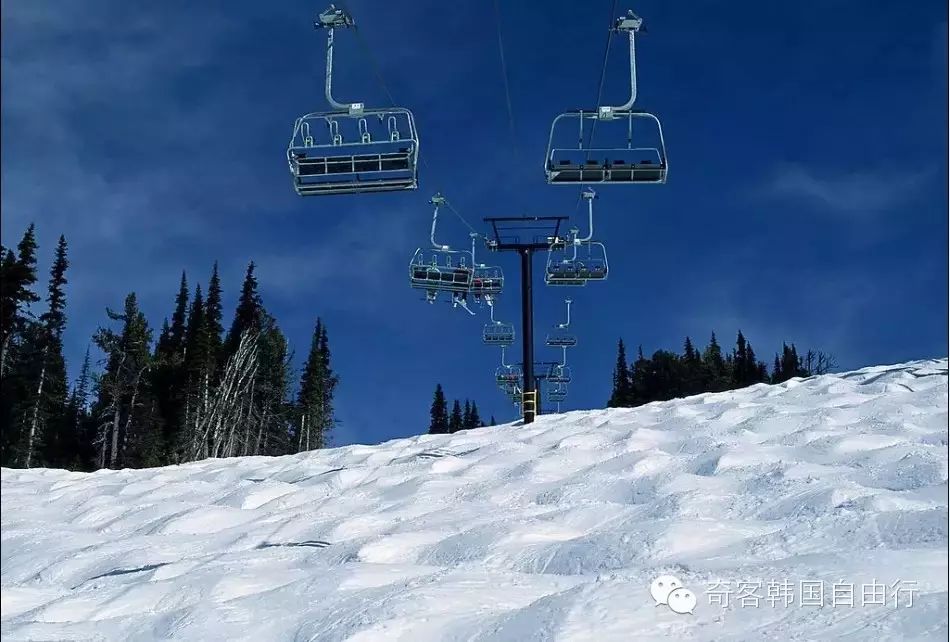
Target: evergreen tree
pixel 438 414
pixel 622 385
pixel 492 422
pixel 80 450
pixel 640 392
pixel 271 390
pixel 692 365
pixel 330 382
pixel 20 346
pixel 467 415
pixel 214 314
pixel 18 278
pixel 178 330
pixel 315 396
pixel 455 419
pixel 755 368
pixel 475 420
pixel 248 313
pixel 194 332
pixel 740 362
pixel 54 424
pixel 714 366
pixel 126 431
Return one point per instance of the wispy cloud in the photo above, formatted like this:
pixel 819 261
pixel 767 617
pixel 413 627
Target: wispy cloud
pixel 852 193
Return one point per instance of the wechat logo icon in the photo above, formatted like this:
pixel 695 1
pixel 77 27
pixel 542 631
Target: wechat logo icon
pixel 669 590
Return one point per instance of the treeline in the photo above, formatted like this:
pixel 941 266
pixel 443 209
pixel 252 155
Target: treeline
pixel 667 375
pixel 196 391
pixel 443 422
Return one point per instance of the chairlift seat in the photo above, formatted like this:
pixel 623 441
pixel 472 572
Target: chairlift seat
pixel 559 374
pixel 487 280
pixel 498 334
pixel 560 341
pixel 434 271
pixel 635 159
pixel 368 159
pixel 563 273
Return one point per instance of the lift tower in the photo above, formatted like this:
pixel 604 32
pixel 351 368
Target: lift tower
pixel 525 235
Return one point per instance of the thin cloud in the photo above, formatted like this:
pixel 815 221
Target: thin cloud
pixel 851 193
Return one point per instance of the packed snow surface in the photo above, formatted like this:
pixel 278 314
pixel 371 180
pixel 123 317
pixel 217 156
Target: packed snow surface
pixel 553 531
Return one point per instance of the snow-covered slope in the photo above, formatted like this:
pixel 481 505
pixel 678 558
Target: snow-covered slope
pixel 550 532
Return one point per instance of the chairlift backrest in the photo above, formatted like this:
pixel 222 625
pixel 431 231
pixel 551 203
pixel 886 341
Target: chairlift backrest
pixel 635 154
pixel 364 149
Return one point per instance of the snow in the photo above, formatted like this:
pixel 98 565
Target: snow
pixel 553 531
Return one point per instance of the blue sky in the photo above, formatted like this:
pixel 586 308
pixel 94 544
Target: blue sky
pixel 807 196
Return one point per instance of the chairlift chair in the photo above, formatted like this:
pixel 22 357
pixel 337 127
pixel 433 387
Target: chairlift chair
pixel 352 148
pixel 439 268
pixel 497 333
pixel 575 268
pixel 562 337
pixel 440 271
pixel 559 373
pixel 557 395
pixel 487 280
pixel 640 160
pixel 507 376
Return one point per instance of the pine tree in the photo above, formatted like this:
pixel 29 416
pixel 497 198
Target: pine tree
pixel 438 414
pixel 21 347
pixel 271 389
pixel 640 388
pixel 314 398
pixel 474 420
pixel 248 313
pixel 330 382
pixel 740 362
pixel 18 278
pixel 81 450
pixel 213 315
pixel 621 393
pixel 51 403
pixel 455 419
pixel 467 415
pixel 714 365
pixel 755 367
pixel 126 431
pixel 692 369
pixel 194 331
pixel 492 422
pixel 178 330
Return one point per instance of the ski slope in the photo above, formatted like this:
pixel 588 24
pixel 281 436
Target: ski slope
pixel 550 532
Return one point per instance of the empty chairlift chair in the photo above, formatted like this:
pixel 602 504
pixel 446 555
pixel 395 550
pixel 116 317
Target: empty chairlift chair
pixel 352 148
pixel 562 337
pixel 576 260
pixel 640 158
pixel 559 374
pixel 577 265
pixel 557 394
pixel 497 333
